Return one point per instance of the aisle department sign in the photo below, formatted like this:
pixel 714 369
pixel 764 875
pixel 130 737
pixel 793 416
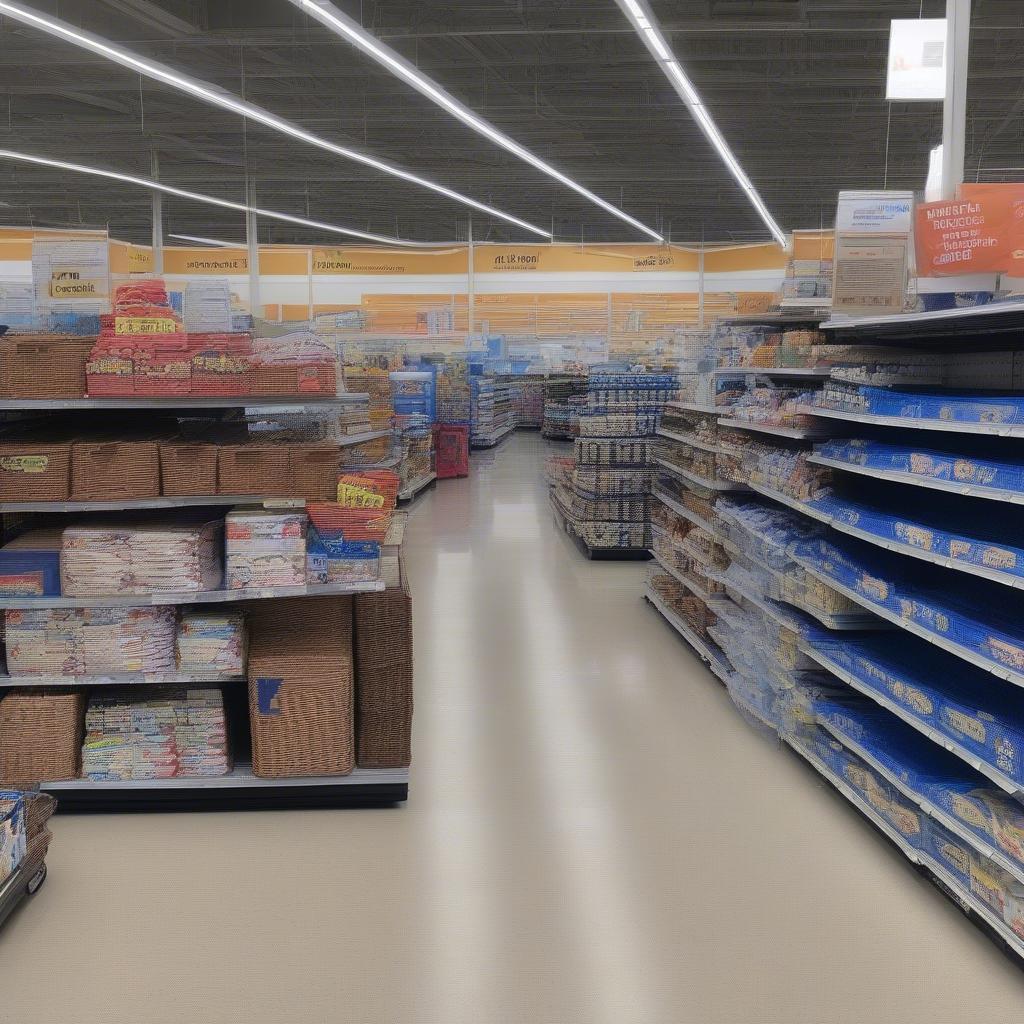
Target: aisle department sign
pixel 68 283
pixel 335 261
pixel 548 259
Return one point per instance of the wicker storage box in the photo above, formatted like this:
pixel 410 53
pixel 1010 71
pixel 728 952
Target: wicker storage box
pixel 43 366
pixel 384 679
pixel 40 736
pixel 39 808
pixel 187 469
pixel 254 469
pixel 301 687
pixel 307 379
pixel 314 470
pixel 35 472
pixel 38 847
pixel 103 470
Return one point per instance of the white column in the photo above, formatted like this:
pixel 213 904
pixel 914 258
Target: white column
pixel 254 261
pixel 954 110
pixel 700 287
pixel 158 221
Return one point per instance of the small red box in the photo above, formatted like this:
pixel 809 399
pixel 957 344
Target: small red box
pixel 451 449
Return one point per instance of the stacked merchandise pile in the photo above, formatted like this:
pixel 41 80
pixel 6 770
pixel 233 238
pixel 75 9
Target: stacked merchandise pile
pixel 896 679
pixel 607 504
pixel 808 282
pixel 265 549
pixel 414 393
pixel 178 734
pixel 492 411
pixel 211 644
pixel 528 400
pixel 143 349
pixel 206 307
pixel 561 418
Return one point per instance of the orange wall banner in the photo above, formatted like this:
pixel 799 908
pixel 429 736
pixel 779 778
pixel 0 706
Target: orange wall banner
pixel 390 261
pixel 207 262
pixel 548 259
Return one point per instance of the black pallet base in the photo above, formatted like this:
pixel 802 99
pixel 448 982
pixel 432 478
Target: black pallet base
pixel 271 798
pixel 568 438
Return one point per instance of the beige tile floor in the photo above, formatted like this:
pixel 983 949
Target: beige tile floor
pixel 594 836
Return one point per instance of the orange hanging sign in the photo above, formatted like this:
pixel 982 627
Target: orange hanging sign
pixel 978 233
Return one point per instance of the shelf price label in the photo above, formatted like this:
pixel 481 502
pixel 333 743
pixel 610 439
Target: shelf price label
pixel 144 325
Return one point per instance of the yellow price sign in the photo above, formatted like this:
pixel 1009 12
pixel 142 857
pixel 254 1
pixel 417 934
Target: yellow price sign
pixel 358 497
pixel 144 325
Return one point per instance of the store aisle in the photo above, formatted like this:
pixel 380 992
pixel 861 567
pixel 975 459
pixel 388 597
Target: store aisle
pixel 594 836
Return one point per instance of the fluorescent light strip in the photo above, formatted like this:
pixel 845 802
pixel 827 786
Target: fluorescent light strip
pixel 647 28
pixel 227 204
pixel 208 241
pixel 329 15
pixel 222 98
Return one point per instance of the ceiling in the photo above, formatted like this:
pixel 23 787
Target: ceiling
pixel 796 87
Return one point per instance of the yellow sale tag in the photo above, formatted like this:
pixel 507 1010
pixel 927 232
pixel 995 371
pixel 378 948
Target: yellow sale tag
pixel 144 325
pixel 25 463
pixel 77 288
pixel 358 497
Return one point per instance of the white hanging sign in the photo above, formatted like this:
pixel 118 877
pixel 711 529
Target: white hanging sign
pixel 917 59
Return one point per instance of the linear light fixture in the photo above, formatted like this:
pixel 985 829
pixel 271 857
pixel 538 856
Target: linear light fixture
pixel 222 98
pixel 207 241
pixel 227 204
pixel 646 24
pixel 344 26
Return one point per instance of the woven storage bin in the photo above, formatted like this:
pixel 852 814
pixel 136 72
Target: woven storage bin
pixel 187 469
pixel 315 469
pixel 309 379
pixel 384 679
pixel 39 808
pixel 38 847
pixel 301 688
pixel 116 469
pixel 254 469
pixel 40 736
pixel 43 367
pixel 40 472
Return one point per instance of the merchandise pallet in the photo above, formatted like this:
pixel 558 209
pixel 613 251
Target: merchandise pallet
pixel 596 554
pixel 238 790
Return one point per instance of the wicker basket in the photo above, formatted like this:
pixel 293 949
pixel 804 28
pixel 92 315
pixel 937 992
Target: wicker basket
pixel 38 847
pixel 314 470
pixel 301 688
pixel 254 469
pixel 42 366
pixel 187 469
pixel 40 736
pixel 115 469
pixel 384 679
pixel 309 379
pixel 39 808
pixel 35 472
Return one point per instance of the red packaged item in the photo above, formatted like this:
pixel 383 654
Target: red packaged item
pixel 354 523
pixel 451 450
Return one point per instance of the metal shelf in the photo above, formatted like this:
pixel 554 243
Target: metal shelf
pixel 237 790
pixel 810 316
pixel 796 433
pixel 132 679
pixel 701 647
pixel 683 512
pixel 991 318
pixel 159 502
pixel 1000 671
pixel 148 402
pixel 713 410
pixel 490 440
pixel 410 491
pixel 917 480
pixel 15 888
pixel 694 442
pixel 944 426
pixel 699 481
pixel 947 820
pixel 915 856
pixel 1002 780
pixel 808 372
pixel 201 597
pixel 690 585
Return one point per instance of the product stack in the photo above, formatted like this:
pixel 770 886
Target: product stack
pixel 606 505
pixel 24 843
pixel 124 684
pixel 561 416
pixel 492 411
pixel 868 610
pixel 414 396
pixel 528 396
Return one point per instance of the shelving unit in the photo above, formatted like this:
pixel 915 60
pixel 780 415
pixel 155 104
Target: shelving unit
pixel 18 886
pixel 913 423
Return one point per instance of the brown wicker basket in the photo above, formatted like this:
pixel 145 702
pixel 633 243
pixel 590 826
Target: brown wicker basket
pixel 384 679
pixel 187 469
pixel 116 469
pixel 39 808
pixel 43 366
pixel 40 736
pixel 39 472
pixel 315 469
pixel 301 688
pixel 254 469
pixel 311 379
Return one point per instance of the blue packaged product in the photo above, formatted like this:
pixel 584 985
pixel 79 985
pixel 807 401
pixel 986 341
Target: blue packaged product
pixel 951 852
pixel 30 565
